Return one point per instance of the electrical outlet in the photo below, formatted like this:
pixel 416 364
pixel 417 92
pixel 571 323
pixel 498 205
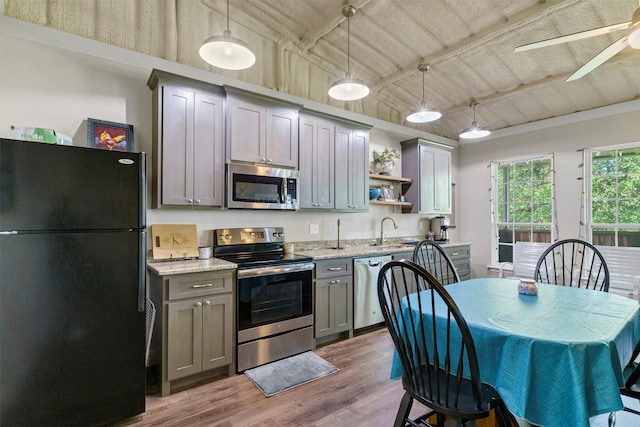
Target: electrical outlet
pixel 420 226
pixel 313 228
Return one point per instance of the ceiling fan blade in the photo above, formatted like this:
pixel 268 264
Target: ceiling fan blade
pixel 599 59
pixel 573 37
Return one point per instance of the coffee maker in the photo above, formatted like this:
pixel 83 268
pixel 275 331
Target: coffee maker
pixel 440 226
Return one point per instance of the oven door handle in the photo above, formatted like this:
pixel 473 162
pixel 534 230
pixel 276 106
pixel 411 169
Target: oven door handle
pixel 275 269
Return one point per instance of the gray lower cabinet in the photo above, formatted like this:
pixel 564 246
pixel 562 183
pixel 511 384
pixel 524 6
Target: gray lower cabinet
pixel 460 255
pixel 403 255
pixel 333 307
pixel 188 144
pixel 195 315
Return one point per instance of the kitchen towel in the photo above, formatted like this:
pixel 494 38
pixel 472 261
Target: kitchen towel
pixel 293 371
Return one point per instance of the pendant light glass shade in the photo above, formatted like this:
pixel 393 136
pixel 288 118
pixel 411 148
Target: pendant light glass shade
pixel 424 114
pixel 226 51
pixel 475 130
pixel 349 88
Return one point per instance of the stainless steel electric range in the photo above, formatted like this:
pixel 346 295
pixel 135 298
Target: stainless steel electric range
pixel 274 303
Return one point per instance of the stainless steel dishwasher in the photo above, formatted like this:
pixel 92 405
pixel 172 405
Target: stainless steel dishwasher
pixel 366 309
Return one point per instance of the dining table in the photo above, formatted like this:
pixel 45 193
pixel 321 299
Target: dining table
pixel 556 358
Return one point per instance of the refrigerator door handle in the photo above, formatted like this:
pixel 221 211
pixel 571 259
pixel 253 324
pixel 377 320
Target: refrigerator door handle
pixel 143 191
pixel 142 271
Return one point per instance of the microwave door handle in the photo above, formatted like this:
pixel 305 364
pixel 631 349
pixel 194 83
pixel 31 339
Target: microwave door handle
pixel 283 191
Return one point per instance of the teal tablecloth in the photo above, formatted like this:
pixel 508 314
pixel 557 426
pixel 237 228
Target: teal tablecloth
pixel 557 358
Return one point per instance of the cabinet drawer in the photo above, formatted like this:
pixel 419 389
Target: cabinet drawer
pixel 200 284
pixel 334 267
pixel 403 255
pixel 457 252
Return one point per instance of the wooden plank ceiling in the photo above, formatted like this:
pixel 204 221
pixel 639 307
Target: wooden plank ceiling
pixel 301 48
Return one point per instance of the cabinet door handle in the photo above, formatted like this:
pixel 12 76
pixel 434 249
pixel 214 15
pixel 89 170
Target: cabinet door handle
pixel 320 205
pixel 207 302
pixel 208 285
pixel 198 304
pixel 334 282
pixel 268 160
pixel 454 254
pixel 335 268
pixel 197 201
pixel 190 201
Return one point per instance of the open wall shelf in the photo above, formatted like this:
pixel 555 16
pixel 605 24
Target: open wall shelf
pixel 404 184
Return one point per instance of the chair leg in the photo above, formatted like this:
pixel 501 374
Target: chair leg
pixel 403 410
pixel 612 419
pixel 504 418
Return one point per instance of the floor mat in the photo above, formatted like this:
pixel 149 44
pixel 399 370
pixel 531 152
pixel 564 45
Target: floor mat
pixel 291 372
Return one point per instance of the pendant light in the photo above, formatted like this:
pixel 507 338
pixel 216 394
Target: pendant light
pixel 348 89
pixel 476 130
pixel 226 51
pixel 424 114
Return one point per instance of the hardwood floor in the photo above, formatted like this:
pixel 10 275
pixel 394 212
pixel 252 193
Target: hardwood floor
pixel 360 394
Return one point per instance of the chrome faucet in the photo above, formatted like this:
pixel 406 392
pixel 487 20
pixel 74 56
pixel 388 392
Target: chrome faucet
pixel 382 228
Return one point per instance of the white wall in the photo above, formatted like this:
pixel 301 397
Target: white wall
pixel 617 125
pixel 49 87
pixel 57 88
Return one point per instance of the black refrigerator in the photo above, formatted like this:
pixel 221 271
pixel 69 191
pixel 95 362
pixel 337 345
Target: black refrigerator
pixel 72 285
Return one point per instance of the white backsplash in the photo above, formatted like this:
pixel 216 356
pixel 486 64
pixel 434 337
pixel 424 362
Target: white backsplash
pixel 296 224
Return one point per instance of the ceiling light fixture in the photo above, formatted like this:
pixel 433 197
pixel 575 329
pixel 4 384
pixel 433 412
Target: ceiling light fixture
pixel 226 51
pixel 476 130
pixel 424 114
pixel 348 89
pixel 634 32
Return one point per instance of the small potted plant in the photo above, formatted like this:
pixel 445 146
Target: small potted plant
pixel 384 161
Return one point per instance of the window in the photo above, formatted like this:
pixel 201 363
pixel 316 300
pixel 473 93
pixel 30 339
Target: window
pixel 612 179
pixel 522 204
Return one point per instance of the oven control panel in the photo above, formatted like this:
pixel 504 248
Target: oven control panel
pixel 240 236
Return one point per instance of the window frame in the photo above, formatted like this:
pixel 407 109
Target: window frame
pixel 587 219
pixel 495 225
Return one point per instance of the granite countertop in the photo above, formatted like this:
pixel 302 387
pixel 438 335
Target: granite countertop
pixel 352 249
pixel 167 268
pixel 362 250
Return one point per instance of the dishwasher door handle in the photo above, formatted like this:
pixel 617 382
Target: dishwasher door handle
pixel 374 264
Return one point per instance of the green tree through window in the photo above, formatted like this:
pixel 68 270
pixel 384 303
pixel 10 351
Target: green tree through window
pixel 615 197
pixel 522 203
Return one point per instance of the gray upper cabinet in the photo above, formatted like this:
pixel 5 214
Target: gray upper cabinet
pixel 188 142
pixel 352 170
pixel 261 130
pixel 317 162
pixel 430 169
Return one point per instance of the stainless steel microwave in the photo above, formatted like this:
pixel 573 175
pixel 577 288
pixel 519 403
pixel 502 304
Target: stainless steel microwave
pixel 261 187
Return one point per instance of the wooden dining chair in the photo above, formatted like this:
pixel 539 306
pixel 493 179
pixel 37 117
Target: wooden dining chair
pixel 430 256
pixel 573 262
pixel 444 377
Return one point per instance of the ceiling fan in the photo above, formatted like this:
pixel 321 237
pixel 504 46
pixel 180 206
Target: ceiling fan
pixel 632 38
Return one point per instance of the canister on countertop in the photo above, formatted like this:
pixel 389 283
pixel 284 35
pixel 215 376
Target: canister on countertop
pixel 205 252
